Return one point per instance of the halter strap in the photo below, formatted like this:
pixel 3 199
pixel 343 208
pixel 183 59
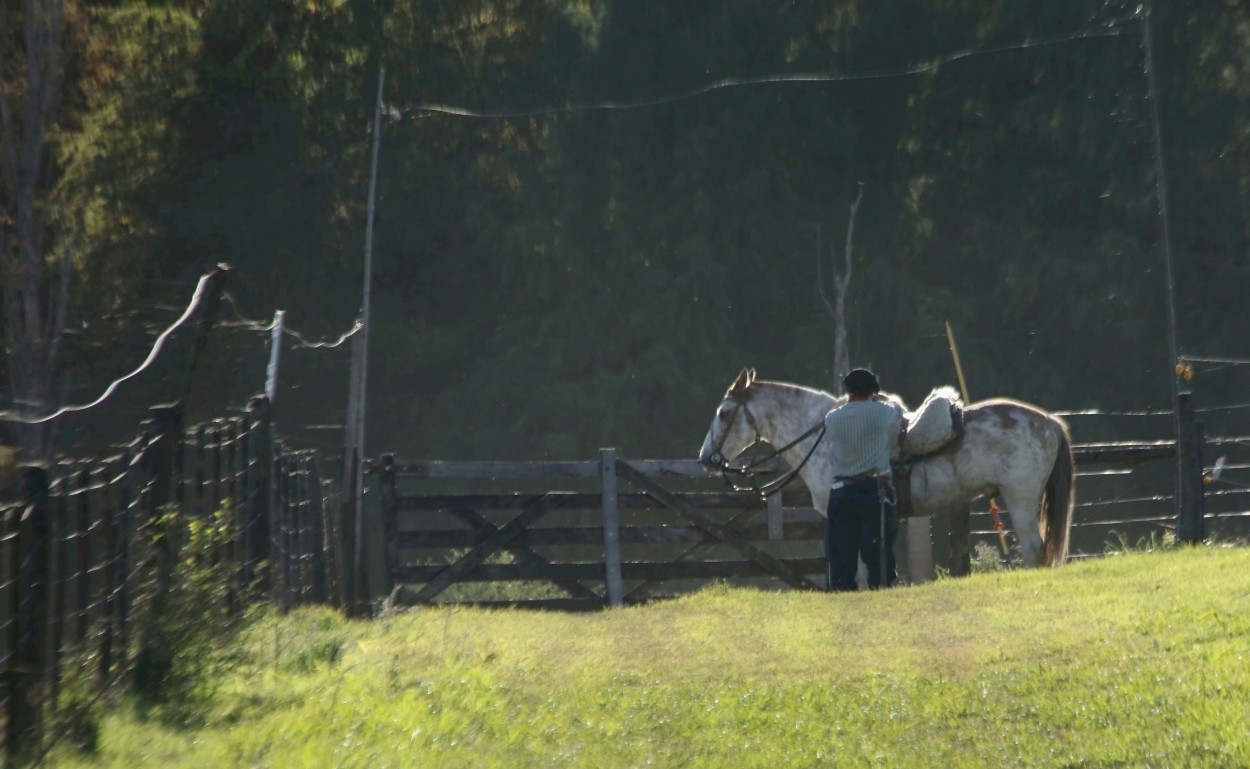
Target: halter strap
pixel 748 471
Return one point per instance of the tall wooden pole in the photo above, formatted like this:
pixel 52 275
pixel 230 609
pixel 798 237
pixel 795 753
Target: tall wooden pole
pixel 275 354
pixel 1161 188
pixel 355 450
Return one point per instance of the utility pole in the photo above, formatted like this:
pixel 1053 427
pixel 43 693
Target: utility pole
pixel 354 450
pixel 275 352
pixel 1161 187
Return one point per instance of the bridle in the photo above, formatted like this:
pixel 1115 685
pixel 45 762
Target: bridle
pixel 750 471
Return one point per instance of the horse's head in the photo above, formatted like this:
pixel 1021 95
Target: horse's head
pixel 733 428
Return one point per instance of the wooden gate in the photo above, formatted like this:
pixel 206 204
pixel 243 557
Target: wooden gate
pixel 585 534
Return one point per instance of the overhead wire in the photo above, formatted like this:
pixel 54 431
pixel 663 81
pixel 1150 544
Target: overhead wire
pixel 1109 28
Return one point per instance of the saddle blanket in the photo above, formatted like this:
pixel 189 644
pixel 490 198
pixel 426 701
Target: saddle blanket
pixel 937 423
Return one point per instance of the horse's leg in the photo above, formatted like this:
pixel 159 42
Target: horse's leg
pixel 1023 511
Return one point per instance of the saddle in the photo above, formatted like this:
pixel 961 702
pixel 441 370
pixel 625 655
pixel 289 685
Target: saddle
pixel 937 424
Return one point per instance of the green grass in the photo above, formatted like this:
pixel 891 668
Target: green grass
pixel 1136 660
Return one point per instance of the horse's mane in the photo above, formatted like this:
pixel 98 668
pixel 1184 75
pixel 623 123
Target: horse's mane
pixel 836 399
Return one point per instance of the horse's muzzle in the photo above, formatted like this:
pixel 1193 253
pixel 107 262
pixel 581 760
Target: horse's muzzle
pixel 713 463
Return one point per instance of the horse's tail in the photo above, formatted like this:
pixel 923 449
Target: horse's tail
pixel 1057 504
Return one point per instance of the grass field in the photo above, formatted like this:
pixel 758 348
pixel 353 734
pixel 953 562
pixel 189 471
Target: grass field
pixel 1137 660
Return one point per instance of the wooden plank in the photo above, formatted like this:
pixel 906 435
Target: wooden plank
pixel 475 557
pixel 405 598
pixel 672 468
pixel 590 500
pixel 496 470
pixel 1092 453
pixel 593 535
pixel 683 508
pixel 630 571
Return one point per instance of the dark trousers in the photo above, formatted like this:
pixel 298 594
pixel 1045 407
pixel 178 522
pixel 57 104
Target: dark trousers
pixel 853 531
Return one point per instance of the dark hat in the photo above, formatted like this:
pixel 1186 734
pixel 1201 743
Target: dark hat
pixel 861 381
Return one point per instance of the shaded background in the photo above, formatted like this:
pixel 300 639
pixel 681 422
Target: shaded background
pixel 549 284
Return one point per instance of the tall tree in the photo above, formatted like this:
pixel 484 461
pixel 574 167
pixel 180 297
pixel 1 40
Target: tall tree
pixel 35 283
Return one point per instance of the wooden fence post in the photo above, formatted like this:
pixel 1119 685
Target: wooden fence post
pixel 318 547
pixel 1190 509
pixel 58 588
pixel 11 597
pixel 297 547
pixel 774 517
pixel 332 512
pixel 163 454
pixel 260 489
pixel 161 461
pixel 280 529
pixel 961 539
pixel 83 561
pixel 371 548
pixel 355 597
pixel 127 499
pixel 390 522
pixel 611 527
pixel 231 435
pixel 108 599
pixel 30 615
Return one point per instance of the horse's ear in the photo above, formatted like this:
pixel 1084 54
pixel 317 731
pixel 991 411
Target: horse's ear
pixel 746 378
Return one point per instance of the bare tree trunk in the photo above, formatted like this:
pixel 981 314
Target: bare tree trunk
pixel 35 285
pixel 837 304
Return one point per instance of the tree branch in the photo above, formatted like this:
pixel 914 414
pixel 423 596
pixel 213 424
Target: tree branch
pixel 820 278
pixel 841 283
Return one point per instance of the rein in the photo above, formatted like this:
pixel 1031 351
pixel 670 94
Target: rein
pixel 748 471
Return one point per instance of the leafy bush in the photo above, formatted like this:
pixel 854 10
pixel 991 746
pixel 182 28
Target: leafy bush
pixel 194 608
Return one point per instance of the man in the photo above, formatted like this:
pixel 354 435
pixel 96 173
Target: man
pixel 863 509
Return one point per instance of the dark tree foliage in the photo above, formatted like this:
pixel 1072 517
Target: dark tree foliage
pixel 590 256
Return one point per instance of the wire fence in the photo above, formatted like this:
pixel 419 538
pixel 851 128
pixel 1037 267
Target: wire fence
pixel 90 554
pixel 1133 503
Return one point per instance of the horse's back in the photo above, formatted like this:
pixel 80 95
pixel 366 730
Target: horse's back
pixel 1016 418
pixel 1009 443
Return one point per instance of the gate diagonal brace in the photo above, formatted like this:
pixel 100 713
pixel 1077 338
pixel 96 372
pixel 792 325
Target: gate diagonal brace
pixel 685 509
pixel 489 546
pixel 525 555
pixel 639 592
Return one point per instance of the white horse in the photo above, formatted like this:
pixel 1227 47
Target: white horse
pixel 1009 449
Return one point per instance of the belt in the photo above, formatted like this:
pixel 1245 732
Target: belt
pixel 852 480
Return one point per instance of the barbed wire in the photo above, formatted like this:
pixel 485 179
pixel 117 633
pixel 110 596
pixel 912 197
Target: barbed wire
pixel 1110 28
pixel 11 416
pixel 265 328
pixel 163 337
